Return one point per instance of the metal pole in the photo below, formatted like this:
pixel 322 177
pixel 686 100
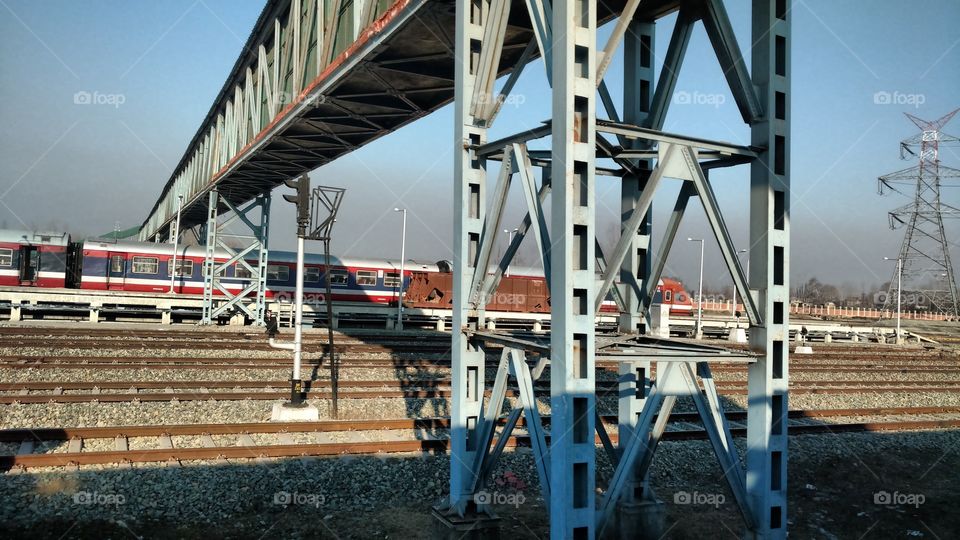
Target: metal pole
pixel 733 309
pixel 699 327
pixel 403 248
pixel 506 271
pixel 334 368
pixel 176 239
pixel 296 385
pixel 899 292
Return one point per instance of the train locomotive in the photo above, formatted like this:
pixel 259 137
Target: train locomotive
pixel 51 260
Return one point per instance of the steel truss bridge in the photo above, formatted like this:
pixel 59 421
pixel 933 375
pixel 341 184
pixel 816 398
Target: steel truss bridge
pixel 319 78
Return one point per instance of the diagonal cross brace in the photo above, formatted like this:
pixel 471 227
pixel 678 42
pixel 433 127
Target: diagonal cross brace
pixel 630 228
pixel 719 227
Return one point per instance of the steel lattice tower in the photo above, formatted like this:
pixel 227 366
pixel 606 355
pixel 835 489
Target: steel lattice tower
pixel 927 272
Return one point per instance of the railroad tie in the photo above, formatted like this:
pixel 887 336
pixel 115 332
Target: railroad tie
pixel 120 444
pixel 165 441
pixel 245 440
pixel 26 447
pixel 285 438
pixel 207 441
pixel 75 445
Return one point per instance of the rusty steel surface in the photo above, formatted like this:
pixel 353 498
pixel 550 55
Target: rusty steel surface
pixel 421 445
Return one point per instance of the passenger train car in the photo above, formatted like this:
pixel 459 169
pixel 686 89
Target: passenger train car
pixel 51 260
pixel 34 259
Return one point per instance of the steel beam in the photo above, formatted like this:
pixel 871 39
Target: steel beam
pixel 766 458
pixel 572 372
pixel 638 76
pixel 468 365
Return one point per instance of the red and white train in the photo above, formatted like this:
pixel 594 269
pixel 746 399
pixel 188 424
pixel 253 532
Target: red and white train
pixel 44 259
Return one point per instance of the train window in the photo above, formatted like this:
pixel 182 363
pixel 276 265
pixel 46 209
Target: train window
pixel 366 277
pixel 116 263
pixel 146 265
pixel 6 257
pixel 241 272
pixel 338 278
pixel 311 274
pixel 391 279
pixel 184 268
pixel 667 296
pixel 681 297
pixel 278 273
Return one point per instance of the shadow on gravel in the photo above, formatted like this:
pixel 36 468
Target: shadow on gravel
pixel 868 485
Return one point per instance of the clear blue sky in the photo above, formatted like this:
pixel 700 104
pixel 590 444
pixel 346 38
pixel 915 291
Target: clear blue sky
pixel 83 168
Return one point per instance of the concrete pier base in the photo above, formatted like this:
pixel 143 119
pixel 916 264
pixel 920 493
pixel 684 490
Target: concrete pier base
pixel 645 520
pixel 284 412
pixel 469 527
pixel 737 335
pixel 803 349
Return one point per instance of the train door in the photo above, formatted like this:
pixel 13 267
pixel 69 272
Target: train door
pixel 29 264
pixel 116 270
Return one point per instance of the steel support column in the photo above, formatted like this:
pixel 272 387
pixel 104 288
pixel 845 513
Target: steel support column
pixel 638 81
pixel 572 375
pixel 468 369
pixel 225 293
pixel 766 458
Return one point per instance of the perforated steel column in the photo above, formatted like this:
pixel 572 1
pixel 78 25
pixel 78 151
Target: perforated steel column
pixel 469 199
pixel 572 399
pixel 638 84
pixel 766 461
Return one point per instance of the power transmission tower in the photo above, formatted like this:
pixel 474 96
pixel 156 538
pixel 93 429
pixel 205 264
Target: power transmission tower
pixel 927 272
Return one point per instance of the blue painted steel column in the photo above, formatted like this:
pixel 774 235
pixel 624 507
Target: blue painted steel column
pixel 766 461
pixel 469 202
pixel 572 287
pixel 638 85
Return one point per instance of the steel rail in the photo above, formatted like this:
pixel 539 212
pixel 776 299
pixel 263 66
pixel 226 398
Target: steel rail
pixel 436 445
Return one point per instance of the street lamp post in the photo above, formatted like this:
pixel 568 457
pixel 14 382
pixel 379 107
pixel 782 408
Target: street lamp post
pixel 899 292
pixel 699 328
pixel 506 272
pixel 176 239
pixel 733 310
pixel 403 247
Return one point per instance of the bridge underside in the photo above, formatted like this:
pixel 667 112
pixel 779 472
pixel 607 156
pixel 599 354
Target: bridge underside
pixel 398 70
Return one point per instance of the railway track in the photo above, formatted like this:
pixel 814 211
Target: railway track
pixel 245 448
pixel 413 389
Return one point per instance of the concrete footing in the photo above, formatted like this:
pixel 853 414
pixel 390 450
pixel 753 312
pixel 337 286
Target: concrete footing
pixel 803 349
pixel 450 526
pixel 737 335
pixel 645 520
pixel 284 412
